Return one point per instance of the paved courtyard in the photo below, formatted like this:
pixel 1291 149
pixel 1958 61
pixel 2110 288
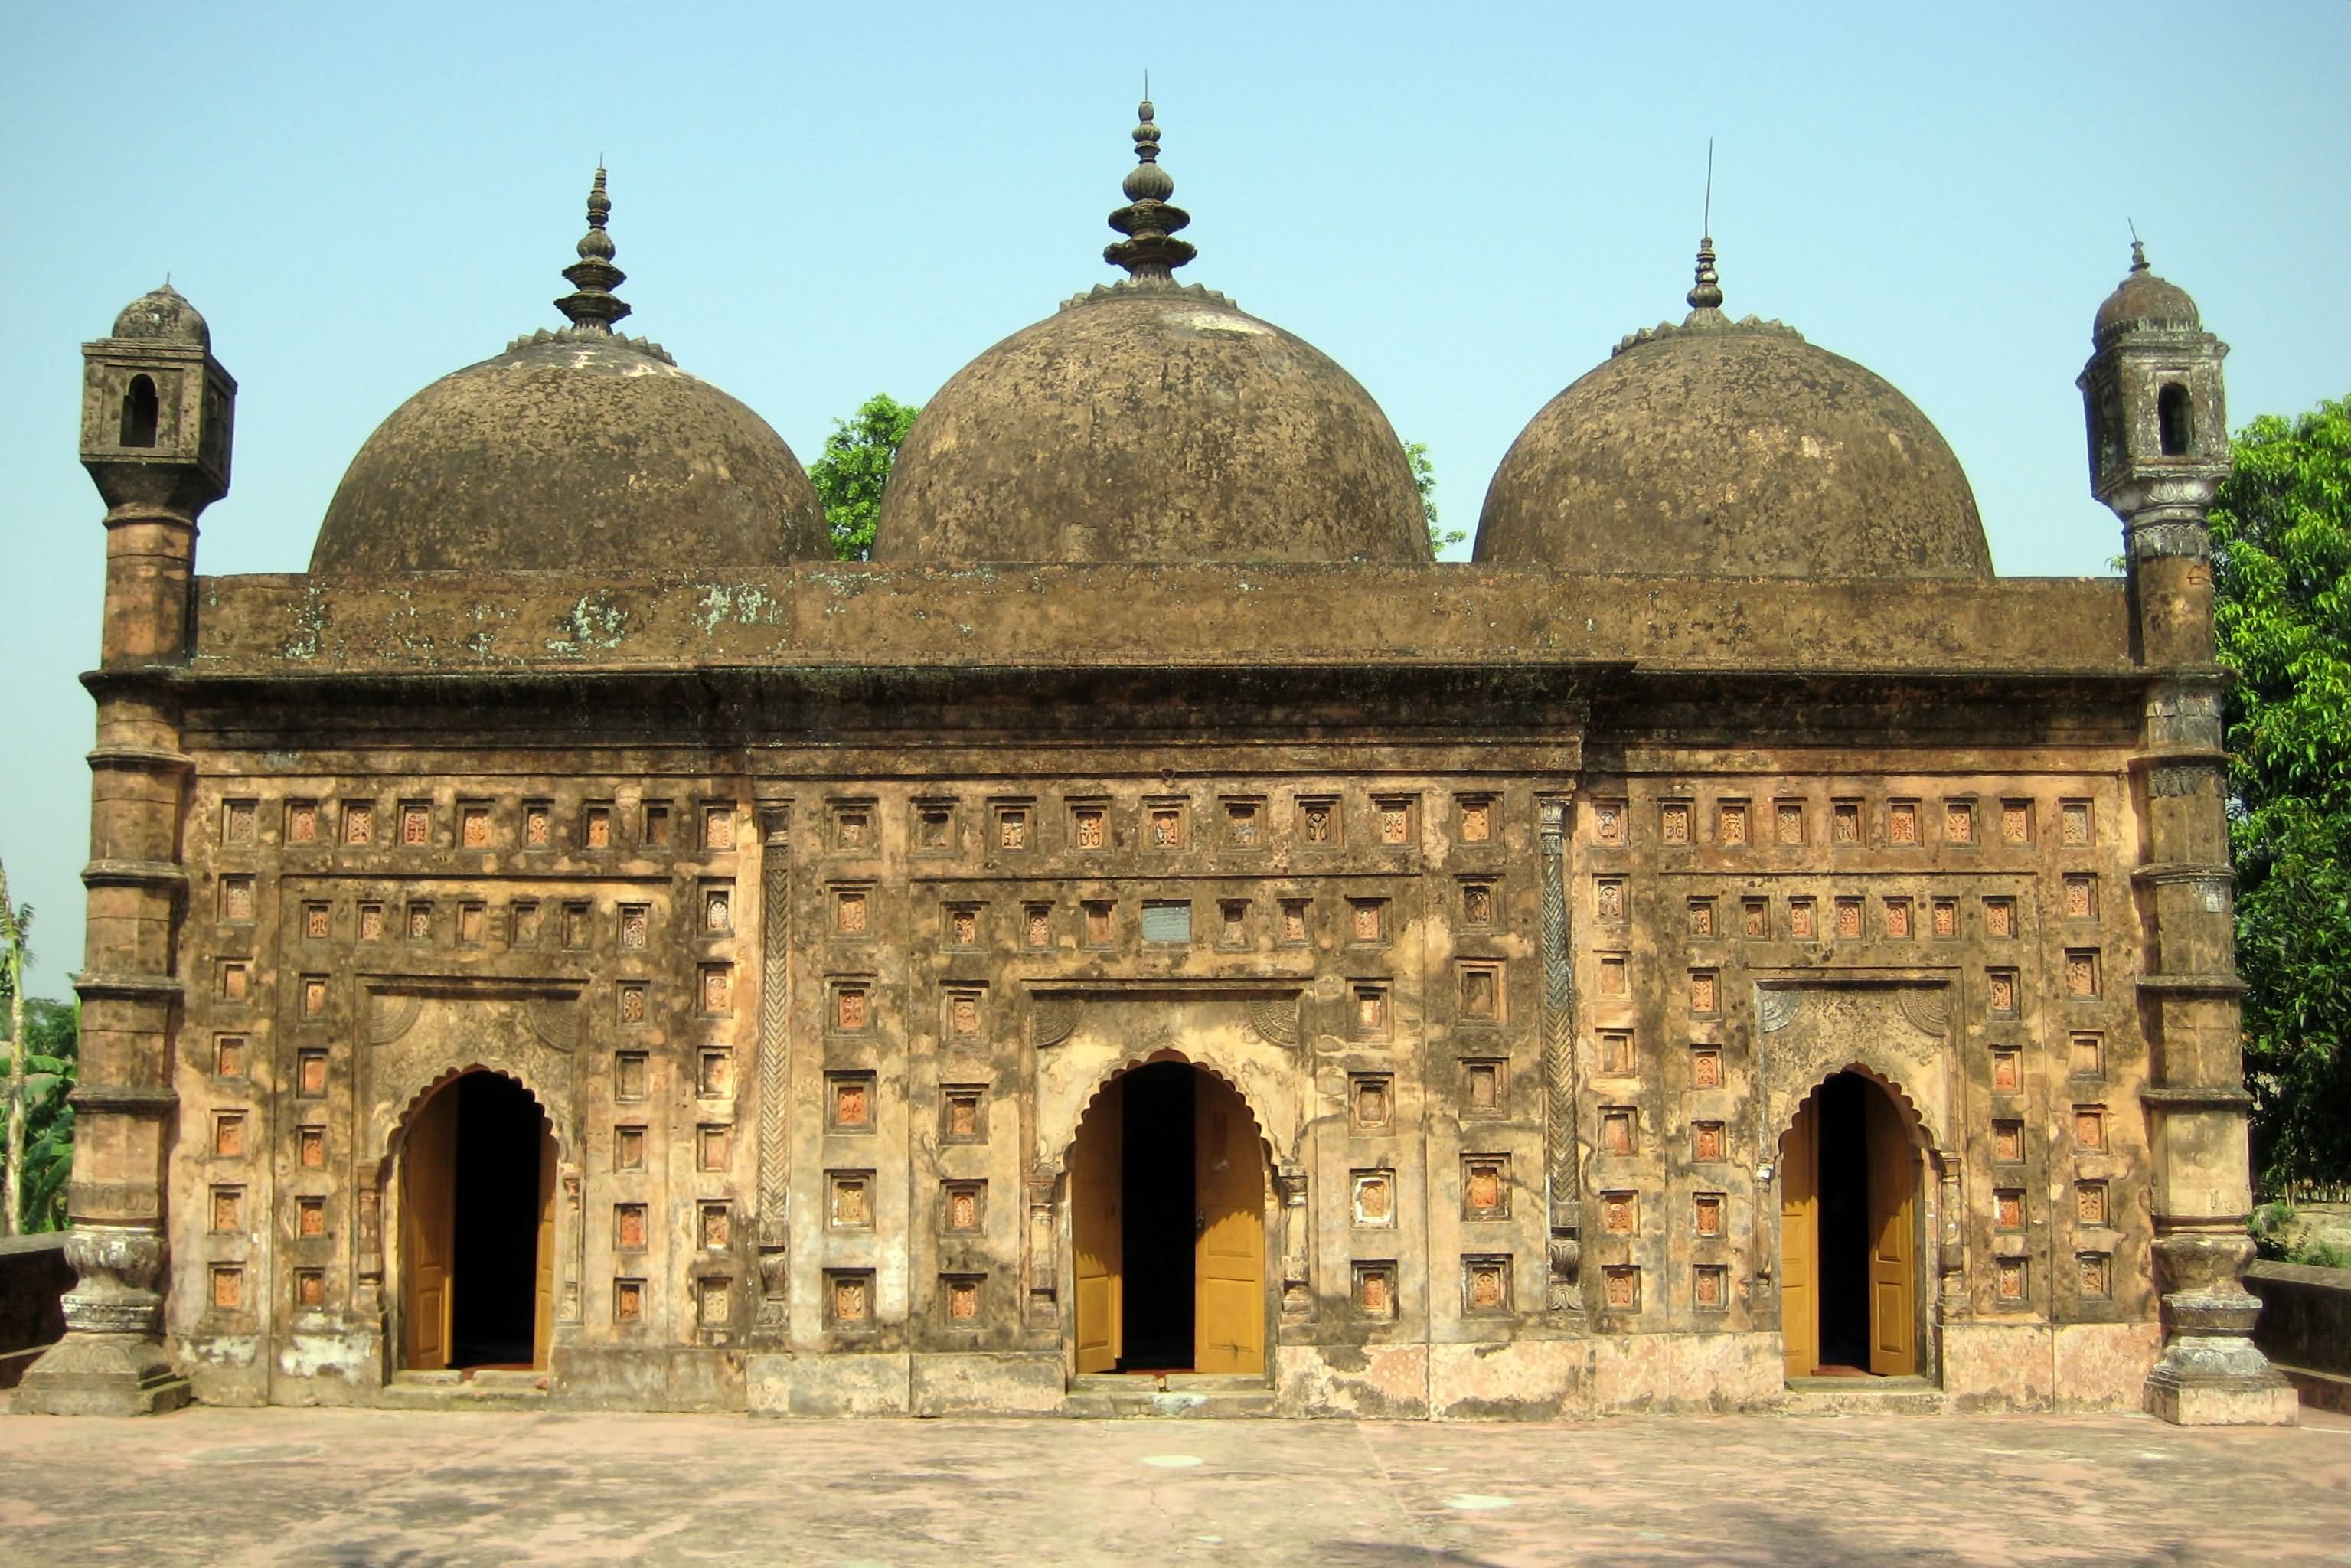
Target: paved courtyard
pixel 410 1489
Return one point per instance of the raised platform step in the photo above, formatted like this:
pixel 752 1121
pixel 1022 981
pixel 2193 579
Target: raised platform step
pixel 1168 1396
pixel 485 1389
pixel 1864 1396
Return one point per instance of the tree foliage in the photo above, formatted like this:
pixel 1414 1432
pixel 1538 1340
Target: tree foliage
pixel 1424 479
pixel 855 466
pixel 52 1041
pixel 2282 579
pixel 16 957
pixel 41 1040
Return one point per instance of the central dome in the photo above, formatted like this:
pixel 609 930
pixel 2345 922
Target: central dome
pixel 1149 421
pixel 575 448
pixel 1723 448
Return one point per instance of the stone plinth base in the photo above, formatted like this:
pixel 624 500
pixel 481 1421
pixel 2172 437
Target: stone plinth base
pixel 1688 1373
pixel 2222 1405
pixel 880 1383
pixel 1374 1381
pixel 985 1383
pixel 102 1374
pixel 2210 1373
pixel 1996 1366
pixel 677 1377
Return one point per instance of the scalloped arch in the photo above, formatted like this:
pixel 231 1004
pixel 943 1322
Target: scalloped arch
pixel 1126 1065
pixel 416 1102
pixel 1922 1134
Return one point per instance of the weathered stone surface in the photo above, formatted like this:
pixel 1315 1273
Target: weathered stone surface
pixel 829 1386
pixel 847 619
pixel 1733 449
pixel 1150 423
pixel 574 453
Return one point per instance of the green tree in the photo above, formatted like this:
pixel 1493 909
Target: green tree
pixel 2281 579
pixel 855 467
pixel 1424 479
pixel 52 1038
pixel 16 922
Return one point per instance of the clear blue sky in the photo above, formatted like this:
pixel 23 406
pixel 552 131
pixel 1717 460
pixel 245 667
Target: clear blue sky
pixel 1464 206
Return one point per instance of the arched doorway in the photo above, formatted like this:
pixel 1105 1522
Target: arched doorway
pixel 1849 1206
pixel 476 1227
pixel 1167 1221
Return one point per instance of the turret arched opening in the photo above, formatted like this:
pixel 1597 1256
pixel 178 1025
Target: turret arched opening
pixel 2175 427
pixel 142 413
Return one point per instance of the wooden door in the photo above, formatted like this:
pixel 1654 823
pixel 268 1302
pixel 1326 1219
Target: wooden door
pixel 428 1230
pixel 1800 1241
pixel 542 1322
pixel 1229 1258
pixel 1097 1221
pixel 1893 1243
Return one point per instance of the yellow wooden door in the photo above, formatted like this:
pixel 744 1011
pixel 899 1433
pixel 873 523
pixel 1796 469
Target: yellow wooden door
pixel 1799 1242
pixel 1097 1218
pixel 1229 1258
pixel 428 1229
pixel 1893 1245
pixel 542 1325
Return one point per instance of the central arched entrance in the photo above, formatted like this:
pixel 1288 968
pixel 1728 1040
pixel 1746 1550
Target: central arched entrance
pixel 476 1227
pixel 1167 1221
pixel 1849 1206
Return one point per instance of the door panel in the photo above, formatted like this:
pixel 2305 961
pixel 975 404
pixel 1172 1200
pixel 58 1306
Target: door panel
pixel 542 1323
pixel 1893 1244
pixel 1096 1225
pixel 428 1227
pixel 1228 1258
pixel 1800 1232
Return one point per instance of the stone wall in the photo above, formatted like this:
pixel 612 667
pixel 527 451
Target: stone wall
pixel 814 973
pixel 2305 1328
pixel 34 1278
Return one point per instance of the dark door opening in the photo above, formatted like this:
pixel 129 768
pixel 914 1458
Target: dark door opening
pixel 1161 1215
pixel 492 1317
pixel 477 1246
pixel 1844 1221
pixel 1849 1186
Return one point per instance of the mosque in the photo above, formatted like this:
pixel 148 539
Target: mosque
pixel 1153 939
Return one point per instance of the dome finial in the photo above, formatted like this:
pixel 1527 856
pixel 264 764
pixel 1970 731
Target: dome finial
pixel 1707 295
pixel 593 307
pixel 1150 252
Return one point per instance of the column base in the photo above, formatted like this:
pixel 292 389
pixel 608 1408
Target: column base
pixel 102 1375
pixel 2217 1379
pixel 2222 1405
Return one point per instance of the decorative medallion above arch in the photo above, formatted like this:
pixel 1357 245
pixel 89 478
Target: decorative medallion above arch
pixel 1086 1035
pixel 419 1030
pixel 1898 1028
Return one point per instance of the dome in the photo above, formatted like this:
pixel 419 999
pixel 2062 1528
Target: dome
pixel 1149 421
pixel 2144 301
pixel 574 449
pixel 163 314
pixel 1727 448
pixel 570 450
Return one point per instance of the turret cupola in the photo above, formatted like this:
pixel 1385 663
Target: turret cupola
pixel 2152 394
